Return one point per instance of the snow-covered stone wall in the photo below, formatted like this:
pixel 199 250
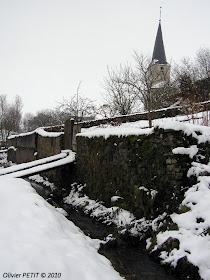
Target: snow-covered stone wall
pixel 34 145
pixel 147 171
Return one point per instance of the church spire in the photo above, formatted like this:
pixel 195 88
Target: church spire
pixel 159 68
pixel 159 55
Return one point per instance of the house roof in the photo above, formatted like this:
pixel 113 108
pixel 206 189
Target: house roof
pixel 159 56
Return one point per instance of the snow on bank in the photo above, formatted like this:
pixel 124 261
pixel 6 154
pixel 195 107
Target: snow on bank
pixel 43 181
pixel 35 237
pixel 118 216
pixel 121 218
pixel 194 226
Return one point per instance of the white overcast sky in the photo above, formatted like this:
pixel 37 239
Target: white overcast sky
pixel 48 46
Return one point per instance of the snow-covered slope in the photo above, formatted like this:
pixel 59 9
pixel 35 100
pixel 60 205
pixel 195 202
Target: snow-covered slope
pixel 37 238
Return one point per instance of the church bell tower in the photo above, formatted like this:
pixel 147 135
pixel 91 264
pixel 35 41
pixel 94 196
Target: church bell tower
pixel 160 68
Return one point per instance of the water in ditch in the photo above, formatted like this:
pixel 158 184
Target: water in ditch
pixel 130 261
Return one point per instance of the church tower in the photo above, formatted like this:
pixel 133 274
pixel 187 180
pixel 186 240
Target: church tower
pixel 160 69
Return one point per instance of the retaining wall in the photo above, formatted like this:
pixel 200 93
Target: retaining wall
pixel 142 170
pixel 32 146
pixel 43 142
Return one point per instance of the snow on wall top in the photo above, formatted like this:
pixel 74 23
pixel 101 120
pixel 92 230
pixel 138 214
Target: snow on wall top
pixel 107 130
pixel 201 133
pixel 40 131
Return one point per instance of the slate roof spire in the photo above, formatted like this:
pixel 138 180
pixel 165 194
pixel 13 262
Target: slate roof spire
pixel 159 56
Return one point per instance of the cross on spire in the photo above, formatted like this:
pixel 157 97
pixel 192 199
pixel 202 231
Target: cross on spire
pixel 159 55
pixel 160 14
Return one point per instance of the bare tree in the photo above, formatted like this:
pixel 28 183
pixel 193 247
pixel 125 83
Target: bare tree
pixel 78 107
pixel 128 86
pixel 11 115
pixel 203 63
pixel 27 122
pixel 193 80
pixel 193 76
pixel 14 115
pixel 121 96
pixel 43 118
pixel 144 81
pixel 155 87
pixel 3 112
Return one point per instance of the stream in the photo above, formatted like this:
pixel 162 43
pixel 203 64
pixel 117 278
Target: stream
pixel 129 260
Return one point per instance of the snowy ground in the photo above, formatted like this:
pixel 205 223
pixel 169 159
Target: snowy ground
pixel 37 239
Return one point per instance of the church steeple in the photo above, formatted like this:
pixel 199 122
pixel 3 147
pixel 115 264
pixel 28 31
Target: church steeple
pixel 159 68
pixel 159 55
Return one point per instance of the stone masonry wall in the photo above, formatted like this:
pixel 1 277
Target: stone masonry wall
pixel 140 169
pixel 22 149
pixel 33 146
pixel 49 146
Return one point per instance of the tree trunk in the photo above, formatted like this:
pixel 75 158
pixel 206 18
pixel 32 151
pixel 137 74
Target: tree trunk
pixel 149 114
